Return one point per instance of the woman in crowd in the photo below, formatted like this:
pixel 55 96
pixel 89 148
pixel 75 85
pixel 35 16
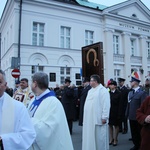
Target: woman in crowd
pixel 115 112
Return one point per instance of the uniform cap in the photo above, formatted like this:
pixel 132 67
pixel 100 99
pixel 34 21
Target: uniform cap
pixel 135 77
pixel 113 83
pixel 67 80
pixel 121 79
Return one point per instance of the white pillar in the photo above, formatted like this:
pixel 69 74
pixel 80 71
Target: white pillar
pixel 126 49
pixel 143 51
pixel 108 50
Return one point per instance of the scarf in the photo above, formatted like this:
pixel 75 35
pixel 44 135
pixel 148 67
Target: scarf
pixel 36 103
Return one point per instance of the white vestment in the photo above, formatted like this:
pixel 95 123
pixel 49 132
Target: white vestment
pixel 24 95
pixel 96 108
pixel 16 129
pixel 51 126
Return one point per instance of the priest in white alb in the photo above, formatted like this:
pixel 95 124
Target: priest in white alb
pixel 16 129
pixel 48 117
pixel 96 113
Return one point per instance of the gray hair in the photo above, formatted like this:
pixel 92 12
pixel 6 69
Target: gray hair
pixel 3 74
pixel 42 79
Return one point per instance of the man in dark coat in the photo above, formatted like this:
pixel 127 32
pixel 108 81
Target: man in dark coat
pixel 143 117
pixel 82 98
pixel 67 102
pixel 123 127
pixel 135 99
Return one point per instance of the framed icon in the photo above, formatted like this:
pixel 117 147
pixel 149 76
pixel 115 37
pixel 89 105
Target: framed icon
pixel 19 97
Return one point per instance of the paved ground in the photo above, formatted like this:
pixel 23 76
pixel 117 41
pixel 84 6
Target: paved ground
pixel 123 142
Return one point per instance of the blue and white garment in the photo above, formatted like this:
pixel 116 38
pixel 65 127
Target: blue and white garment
pixel 33 107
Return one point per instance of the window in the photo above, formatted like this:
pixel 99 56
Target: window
pixel 116 44
pixel 65 36
pixel 52 77
pixel 89 37
pixel 148 49
pixel 132 47
pixel 116 74
pixel 36 68
pixel 78 76
pixel 78 79
pixel 64 73
pixel 38 34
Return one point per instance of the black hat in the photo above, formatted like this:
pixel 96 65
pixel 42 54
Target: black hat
pixel 112 82
pixel 86 79
pixel 121 79
pixel 67 80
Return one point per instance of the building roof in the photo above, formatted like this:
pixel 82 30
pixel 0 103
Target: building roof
pixel 91 4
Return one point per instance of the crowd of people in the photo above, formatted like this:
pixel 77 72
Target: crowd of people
pixel 103 112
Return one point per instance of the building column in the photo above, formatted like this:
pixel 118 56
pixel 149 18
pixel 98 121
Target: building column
pixel 126 49
pixel 108 50
pixel 143 50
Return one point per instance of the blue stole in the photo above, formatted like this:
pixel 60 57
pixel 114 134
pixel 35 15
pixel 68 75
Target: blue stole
pixel 36 103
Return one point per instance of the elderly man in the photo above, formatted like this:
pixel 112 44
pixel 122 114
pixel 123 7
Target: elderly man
pixel 48 117
pixel 24 93
pixel 96 114
pixel 16 129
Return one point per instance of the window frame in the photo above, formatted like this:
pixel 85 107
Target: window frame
pixel 116 44
pixel 88 40
pixel 38 33
pixel 65 37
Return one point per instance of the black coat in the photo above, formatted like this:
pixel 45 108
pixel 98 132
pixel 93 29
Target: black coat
pixel 115 108
pixel 82 98
pixel 124 99
pixel 67 102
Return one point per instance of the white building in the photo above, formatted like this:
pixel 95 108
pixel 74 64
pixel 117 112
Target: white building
pixel 54 31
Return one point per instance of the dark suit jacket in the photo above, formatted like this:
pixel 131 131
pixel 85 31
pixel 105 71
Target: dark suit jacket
pixel 135 101
pixel 124 99
pixel 82 101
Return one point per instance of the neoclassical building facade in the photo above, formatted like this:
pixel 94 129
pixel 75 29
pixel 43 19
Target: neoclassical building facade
pixel 48 36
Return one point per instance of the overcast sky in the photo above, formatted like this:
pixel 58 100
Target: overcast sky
pixel 103 2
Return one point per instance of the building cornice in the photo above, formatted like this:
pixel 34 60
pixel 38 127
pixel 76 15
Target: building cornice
pixel 143 37
pixel 126 19
pixel 109 30
pixel 126 33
